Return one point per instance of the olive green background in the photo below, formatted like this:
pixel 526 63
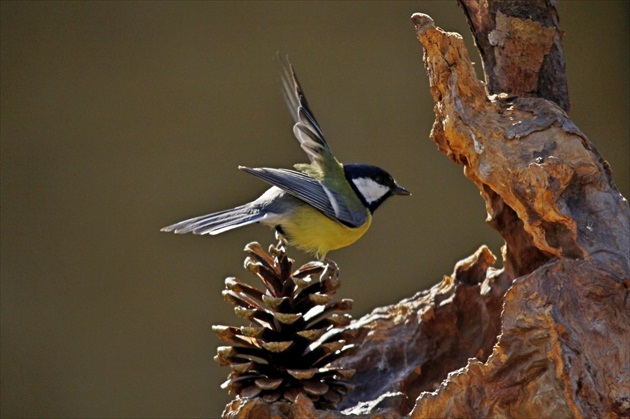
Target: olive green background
pixel 119 118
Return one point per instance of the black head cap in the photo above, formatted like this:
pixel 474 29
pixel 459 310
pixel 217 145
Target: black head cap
pixel 372 184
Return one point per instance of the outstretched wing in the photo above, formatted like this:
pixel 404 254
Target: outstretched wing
pixel 306 129
pixel 313 192
pixel 295 98
pixel 324 167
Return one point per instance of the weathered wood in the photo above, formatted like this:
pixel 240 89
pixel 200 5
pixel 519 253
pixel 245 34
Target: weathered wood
pixel 563 352
pixel 559 320
pixel 410 347
pixel 547 335
pixel 520 43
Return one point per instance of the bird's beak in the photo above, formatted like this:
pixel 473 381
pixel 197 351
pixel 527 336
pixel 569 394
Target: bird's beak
pixel 401 191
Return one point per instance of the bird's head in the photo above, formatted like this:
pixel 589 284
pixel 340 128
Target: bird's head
pixel 372 184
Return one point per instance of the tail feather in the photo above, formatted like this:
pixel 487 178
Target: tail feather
pixel 217 222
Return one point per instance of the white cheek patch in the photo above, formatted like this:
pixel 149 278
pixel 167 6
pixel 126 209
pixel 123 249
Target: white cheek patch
pixel 371 190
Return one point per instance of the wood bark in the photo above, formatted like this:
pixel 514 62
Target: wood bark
pixel 547 335
pixel 520 43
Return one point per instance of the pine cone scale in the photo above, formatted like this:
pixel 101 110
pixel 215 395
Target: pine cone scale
pixel 288 350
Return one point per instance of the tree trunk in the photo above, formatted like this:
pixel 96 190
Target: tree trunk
pixel 548 334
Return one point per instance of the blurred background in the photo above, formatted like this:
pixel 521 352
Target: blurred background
pixel 119 118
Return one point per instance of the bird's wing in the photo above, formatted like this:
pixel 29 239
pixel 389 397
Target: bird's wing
pixel 324 167
pixel 313 192
pixel 306 129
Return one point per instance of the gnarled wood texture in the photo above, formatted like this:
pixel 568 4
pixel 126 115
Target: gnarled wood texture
pixel 548 334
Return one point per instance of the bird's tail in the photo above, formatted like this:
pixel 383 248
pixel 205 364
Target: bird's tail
pixel 217 222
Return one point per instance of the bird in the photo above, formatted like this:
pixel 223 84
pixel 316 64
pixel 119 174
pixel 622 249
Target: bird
pixel 318 206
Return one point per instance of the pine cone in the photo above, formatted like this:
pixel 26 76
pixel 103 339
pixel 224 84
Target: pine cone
pixel 293 334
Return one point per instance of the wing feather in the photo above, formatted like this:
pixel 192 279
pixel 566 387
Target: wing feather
pixel 312 192
pixel 312 142
pixel 295 98
pixel 329 190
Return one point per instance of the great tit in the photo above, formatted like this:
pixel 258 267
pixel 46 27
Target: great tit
pixel 319 207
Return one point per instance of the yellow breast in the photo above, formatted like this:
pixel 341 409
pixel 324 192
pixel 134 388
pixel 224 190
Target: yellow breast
pixel 313 232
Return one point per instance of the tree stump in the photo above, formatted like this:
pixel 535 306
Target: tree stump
pixel 548 334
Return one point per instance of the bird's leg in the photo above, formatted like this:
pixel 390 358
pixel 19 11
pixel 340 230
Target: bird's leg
pixel 282 241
